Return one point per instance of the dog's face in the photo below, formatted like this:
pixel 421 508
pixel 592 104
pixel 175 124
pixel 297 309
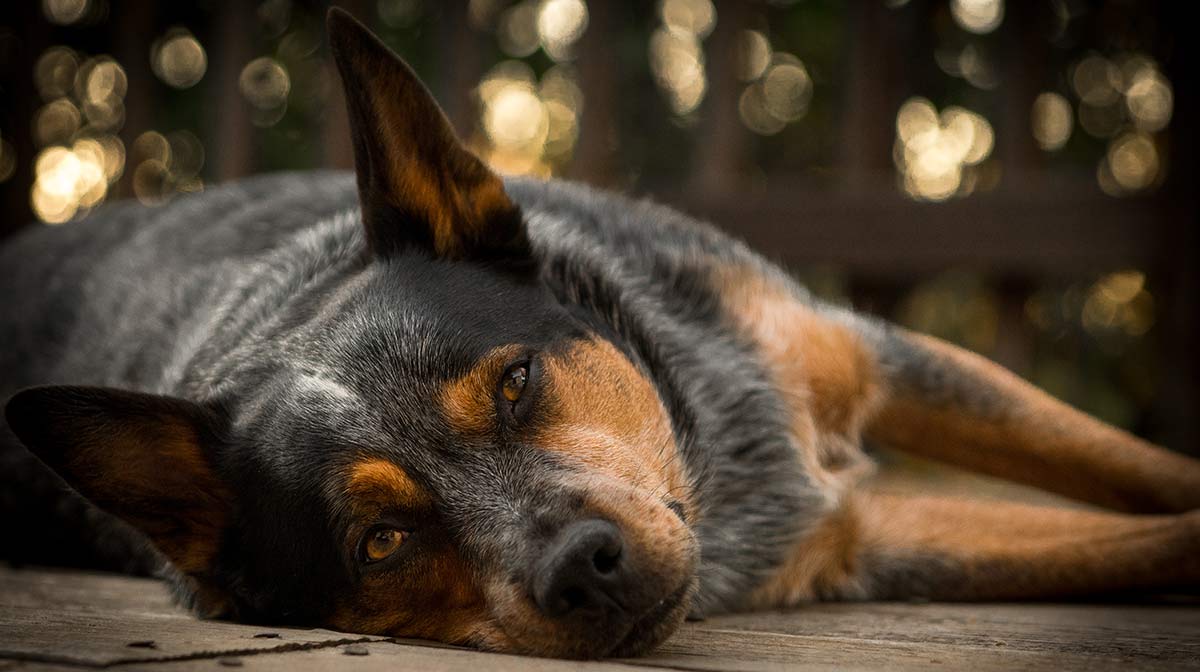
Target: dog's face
pixel 439 449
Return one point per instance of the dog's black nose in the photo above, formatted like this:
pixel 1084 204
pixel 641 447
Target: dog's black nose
pixel 582 571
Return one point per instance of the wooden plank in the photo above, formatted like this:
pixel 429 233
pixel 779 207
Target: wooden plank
pixel 53 619
pixel 92 620
pixel 709 648
pixel 388 657
pixel 1093 633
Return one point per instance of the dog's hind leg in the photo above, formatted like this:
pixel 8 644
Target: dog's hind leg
pixel 881 546
pixel 949 404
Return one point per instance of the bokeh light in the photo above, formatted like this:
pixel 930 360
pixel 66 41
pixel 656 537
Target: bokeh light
pixel 56 122
pixel 977 16
pixel 754 55
pixel 1132 162
pixel 265 84
pixel 935 153
pixel 1119 301
pixel 1052 121
pixel 100 86
pixel 560 23
pixel 517 32
pixel 695 17
pixel 528 126
pixel 65 12
pixel 54 74
pixel 178 59
pixel 676 56
pixel 1149 98
pixel 1096 80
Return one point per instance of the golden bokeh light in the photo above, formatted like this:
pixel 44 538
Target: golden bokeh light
pixel 54 73
pixel 517 32
pixel 151 145
pixel 56 122
pixel 753 55
pixel 695 17
pixel 100 87
pixel 977 16
pixel 65 12
pixel 265 84
pixel 515 118
pixel 178 59
pixel 752 108
pixel 1133 161
pixel 560 23
pixel 1052 121
pixel 68 180
pixel 1149 98
pixel 1119 301
pixel 1096 80
pixel 936 153
pixel 105 79
pixel 528 127
pixel 187 155
pixel 786 88
pixel 152 182
pixel 678 66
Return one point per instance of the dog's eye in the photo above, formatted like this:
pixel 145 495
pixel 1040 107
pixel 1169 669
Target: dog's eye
pixel 381 542
pixel 513 383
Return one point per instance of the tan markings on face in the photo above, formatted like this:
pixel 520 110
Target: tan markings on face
pixel 604 414
pixel 468 401
pixel 827 377
pixel 376 483
pixel 435 594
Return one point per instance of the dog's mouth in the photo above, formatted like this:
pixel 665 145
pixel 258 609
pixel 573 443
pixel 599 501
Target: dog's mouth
pixel 655 626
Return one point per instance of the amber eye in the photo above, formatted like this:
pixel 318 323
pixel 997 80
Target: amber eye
pixel 381 542
pixel 513 383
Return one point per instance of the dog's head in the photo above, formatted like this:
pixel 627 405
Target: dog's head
pixel 435 447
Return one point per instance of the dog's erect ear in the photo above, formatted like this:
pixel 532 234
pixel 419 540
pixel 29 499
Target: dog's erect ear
pixel 142 457
pixel 418 185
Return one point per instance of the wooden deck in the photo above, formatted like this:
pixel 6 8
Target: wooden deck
pixel 72 621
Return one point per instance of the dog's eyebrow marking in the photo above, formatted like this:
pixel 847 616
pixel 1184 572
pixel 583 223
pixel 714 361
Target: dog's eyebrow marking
pixel 467 400
pixel 378 482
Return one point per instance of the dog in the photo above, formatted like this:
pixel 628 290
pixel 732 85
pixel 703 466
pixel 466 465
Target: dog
pixel 520 415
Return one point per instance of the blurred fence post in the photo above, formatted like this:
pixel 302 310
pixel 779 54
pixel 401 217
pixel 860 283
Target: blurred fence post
pixel 876 78
pixel 132 41
pixel 719 158
pixel 595 159
pixel 235 146
pixel 32 38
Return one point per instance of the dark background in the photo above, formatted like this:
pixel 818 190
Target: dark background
pixel 1017 177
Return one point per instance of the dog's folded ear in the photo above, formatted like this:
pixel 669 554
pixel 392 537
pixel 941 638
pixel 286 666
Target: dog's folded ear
pixel 418 185
pixel 141 457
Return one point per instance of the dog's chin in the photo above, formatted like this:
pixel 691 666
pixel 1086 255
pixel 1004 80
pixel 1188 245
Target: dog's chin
pixel 656 626
pixel 648 631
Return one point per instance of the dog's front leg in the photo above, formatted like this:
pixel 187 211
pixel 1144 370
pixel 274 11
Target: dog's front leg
pixel 890 546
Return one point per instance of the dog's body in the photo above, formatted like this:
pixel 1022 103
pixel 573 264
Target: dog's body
pixel 527 416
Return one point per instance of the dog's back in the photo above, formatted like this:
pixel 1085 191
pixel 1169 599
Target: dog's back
pixel 126 299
